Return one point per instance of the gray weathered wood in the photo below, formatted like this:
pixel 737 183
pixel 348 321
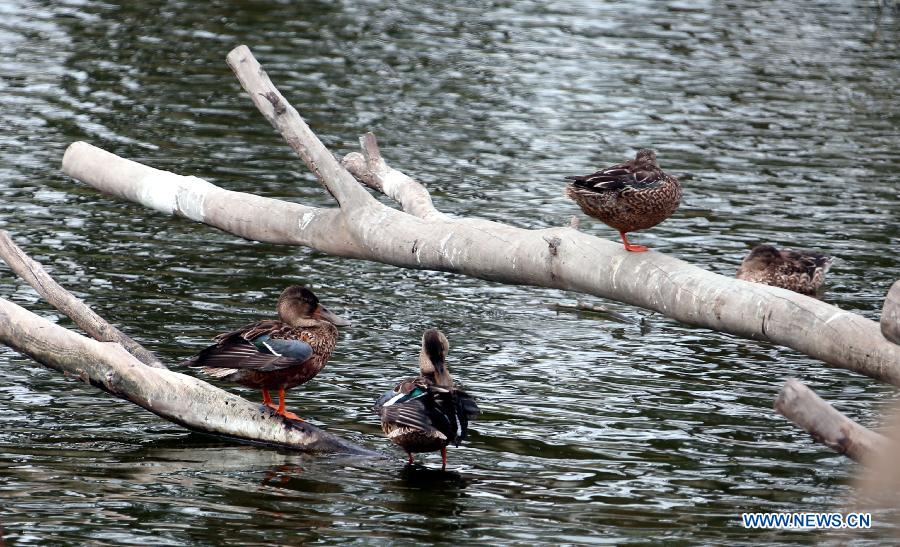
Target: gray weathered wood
pixel 801 405
pixel 563 257
pixel 890 314
pixel 371 169
pixel 58 297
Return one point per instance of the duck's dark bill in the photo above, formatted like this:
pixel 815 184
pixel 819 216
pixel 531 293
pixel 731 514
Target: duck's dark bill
pixel 332 318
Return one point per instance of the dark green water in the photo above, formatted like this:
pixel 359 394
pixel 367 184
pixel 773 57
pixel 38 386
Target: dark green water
pixel 782 121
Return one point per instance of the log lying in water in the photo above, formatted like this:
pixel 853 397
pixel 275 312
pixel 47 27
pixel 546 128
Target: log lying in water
pixel 182 399
pixel 890 314
pixel 421 237
pixel 801 405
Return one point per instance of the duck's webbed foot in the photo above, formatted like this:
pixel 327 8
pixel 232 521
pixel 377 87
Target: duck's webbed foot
pixel 632 247
pixel 280 408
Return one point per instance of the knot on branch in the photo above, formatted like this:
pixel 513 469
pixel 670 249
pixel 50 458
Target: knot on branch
pixel 553 243
pixel 275 100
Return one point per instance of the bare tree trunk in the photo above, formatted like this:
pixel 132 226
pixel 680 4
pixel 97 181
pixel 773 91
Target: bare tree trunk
pixel 890 314
pixel 421 237
pixel 801 405
pixel 108 365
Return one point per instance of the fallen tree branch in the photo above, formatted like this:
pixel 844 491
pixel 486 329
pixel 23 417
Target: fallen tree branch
pixel 105 363
pixel 801 405
pixel 184 400
pixel 51 291
pixel 296 133
pixel 371 169
pixel 890 314
pixel 562 258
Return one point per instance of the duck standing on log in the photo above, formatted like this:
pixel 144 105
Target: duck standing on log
pixel 275 354
pixel 797 270
pixel 630 196
pixel 426 413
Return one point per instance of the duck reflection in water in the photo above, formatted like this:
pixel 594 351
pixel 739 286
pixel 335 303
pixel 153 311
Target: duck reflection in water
pixel 430 492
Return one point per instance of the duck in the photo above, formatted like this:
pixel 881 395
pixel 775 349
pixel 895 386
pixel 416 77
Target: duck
pixel 275 354
pixel 799 270
pixel 627 197
pixel 427 413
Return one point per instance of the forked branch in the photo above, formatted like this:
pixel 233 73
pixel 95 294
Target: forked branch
pixel 111 363
pixel 421 237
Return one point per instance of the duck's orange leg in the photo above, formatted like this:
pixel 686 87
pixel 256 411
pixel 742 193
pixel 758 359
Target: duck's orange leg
pixel 444 458
pixel 267 399
pixel 630 247
pixel 280 409
pixel 410 457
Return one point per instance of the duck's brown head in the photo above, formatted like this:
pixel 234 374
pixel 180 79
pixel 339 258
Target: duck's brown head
pixel 297 305
pixel 645 157
pixel 763 254
pixel 433 357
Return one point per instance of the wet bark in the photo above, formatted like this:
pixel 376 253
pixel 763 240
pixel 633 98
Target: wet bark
pixel 825 424
pixel 113 362
pixel 420 236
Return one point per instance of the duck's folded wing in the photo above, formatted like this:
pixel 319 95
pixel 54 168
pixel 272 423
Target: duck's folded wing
pixel 806 261
pixel 411 413
pixel 466 405
pixel 607 179
pixel 237 353
pixel 291 349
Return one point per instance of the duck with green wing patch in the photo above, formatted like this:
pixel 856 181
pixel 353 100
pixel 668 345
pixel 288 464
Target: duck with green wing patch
pixel 275 354
pixel 427 413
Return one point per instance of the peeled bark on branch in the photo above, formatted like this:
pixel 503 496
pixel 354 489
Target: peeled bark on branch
pixel 105 363
pixel 801 405
pixel 890 314
pixel 422 237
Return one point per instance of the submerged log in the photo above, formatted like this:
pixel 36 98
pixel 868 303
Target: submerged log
pixel 890 314
pixel 825 424
pixel 105 363
pixel 420 236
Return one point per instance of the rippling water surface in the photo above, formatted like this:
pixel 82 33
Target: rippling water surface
pixel 781 120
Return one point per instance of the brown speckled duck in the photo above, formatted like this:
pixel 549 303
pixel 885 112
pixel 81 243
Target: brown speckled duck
pixel 275 354
pixel 426 413
pixel 631 196
pixel 797 270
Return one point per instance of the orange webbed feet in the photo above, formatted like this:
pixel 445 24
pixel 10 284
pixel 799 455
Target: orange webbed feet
pixel 632 247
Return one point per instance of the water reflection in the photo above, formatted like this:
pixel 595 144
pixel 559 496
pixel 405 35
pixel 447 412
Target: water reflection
pixel 429 492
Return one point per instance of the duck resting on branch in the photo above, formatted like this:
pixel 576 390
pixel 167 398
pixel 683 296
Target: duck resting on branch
pixel 630 196
pixel 275 354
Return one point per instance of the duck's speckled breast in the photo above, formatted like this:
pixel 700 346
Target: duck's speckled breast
pixel 630 209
